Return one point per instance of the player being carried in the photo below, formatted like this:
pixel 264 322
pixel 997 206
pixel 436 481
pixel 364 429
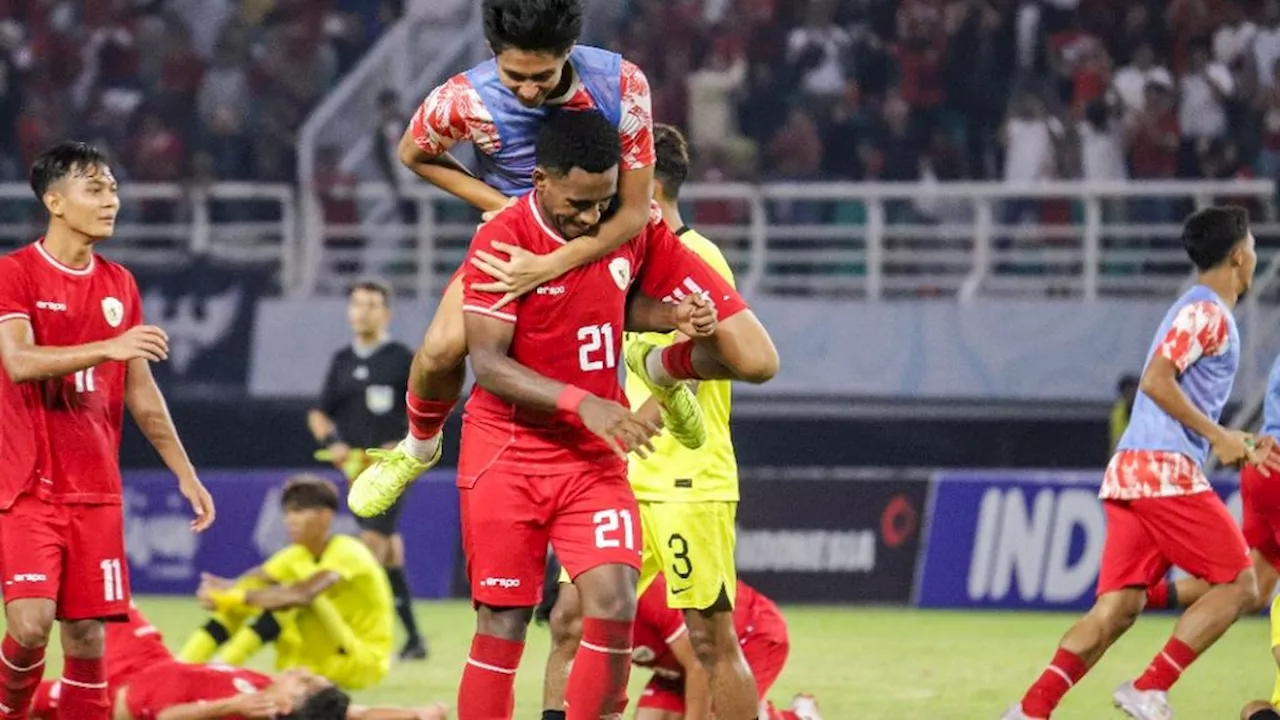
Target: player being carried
pixel 75 353
pixel 323 601
pixel 498 106
pixel 1160 508
pixel 546 429
pixel 146 682
pixel 688 498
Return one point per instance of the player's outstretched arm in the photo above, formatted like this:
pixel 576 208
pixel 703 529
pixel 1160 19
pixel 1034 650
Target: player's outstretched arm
pixel 432 712
pixel 299 594
pixel 147 406
pixel 693 317
pixel 697 681
pixel 246 705
pixel 446 173
pixel 25 361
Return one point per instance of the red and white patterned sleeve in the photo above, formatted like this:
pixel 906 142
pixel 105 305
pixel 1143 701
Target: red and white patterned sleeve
pixel 453 113
pixel 636 125
pixel 1199 330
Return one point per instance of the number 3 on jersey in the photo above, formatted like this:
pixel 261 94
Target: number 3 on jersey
pixel 112 580
pixel 594 339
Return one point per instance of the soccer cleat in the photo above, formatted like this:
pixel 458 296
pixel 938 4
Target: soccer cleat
pixel 1143 704
pixel 1015 713
pixel 382 483
pixel 805 707
pixel 681 415
pixel 414 649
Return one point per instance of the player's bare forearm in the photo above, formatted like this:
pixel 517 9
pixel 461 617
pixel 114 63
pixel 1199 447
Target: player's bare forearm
pixel 25 361
pixel 697 681
pixel 644 314
pixel 199 710
pixel 446 173
pixel 650 411
pixel 147 406
pixel 320 425
pixel 488 340
pixel 279 597
pixel 381 713
pixel 635 194
pixel 1160 383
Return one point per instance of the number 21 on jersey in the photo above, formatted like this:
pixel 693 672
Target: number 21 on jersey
pixel 596 348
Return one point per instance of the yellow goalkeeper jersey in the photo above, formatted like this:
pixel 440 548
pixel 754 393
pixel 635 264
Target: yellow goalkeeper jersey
pixel 675 473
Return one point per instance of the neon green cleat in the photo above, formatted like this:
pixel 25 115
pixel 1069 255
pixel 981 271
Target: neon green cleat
pixel 681 415
pixel 382 483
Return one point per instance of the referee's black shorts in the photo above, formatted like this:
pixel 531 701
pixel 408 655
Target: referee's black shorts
pixel 385 524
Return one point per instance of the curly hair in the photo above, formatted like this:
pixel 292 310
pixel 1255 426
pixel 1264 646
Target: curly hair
pixel 533 25
pixel 577 139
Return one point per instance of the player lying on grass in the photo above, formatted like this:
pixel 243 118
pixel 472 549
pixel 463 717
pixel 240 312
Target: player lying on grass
pixel 688 498
pixel 499 106
pixel 145 682
pixel 323 601
pixel 680 688
pixel 1160 509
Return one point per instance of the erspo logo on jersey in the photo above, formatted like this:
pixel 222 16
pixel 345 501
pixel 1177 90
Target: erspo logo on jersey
pixel 1018 540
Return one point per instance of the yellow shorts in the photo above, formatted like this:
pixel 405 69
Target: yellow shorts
pixel 302 644
pixel 692 544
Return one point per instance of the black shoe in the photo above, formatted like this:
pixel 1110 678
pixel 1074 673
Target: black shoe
pixel 414 649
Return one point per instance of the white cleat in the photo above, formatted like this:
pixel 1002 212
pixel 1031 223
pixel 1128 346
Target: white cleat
pixel 1143 704
pixel 1015 713
pixel 805 707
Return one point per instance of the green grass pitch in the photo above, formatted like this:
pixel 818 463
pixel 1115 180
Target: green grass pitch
pixel 865 663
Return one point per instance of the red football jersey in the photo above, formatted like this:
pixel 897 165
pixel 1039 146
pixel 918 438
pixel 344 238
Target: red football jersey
pixel 132 647
pixel 570 330
pixel 62 435
pixel 657 625
pixel 166 685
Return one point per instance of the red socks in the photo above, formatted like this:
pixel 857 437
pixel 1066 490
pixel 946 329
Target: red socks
pixel 1065 671
pixel 598 681
pixel 20 672
pixel 776 714
pixel 1167 666
pixel 488 689
pixel 677 360
pixel 84 690
pixel 426 417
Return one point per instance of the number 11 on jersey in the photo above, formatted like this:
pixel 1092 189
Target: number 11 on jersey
pixel 112 580
pixel 84 380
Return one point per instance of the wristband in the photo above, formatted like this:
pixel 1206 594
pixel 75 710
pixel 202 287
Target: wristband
pixel 571 398
pixel 333 438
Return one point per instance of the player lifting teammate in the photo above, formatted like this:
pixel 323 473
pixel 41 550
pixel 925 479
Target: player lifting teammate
pixel 498 106
pixel 688 498
pixel 75 353
pixel 1159 506
pixel 545 432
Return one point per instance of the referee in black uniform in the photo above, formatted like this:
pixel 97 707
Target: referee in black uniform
pixel 362 406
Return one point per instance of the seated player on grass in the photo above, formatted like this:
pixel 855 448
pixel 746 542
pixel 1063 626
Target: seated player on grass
pixel 146 682
pixel 324 601
pixel 681 686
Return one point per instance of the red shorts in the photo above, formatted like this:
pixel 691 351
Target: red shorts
pixel 72 554
pixel 1145 537
pixel 765 649
pixel 1260 497
pixel 590 519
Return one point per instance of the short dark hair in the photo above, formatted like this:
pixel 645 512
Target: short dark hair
pixel 330 703
pixel 372 284
pixel 61 160
pixel 671 167
pixel 1209 235
pixel 533 25
pixel 306 491
pixel 578 139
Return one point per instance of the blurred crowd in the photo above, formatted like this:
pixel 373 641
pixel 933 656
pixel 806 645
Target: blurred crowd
pixel 175 89
pixel 905 90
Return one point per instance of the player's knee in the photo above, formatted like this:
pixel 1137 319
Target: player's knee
pixel 1248 598
pixel 507 623
pixel 703 639
pixel 566 626
pixel 1117 616
pixel 30 627
pixel 615 602
pixel 84 638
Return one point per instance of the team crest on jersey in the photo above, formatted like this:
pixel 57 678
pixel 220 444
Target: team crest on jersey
pixel 113 311
pixel 620 269
pixel 243 686
pixel 642 654
pixel 379 399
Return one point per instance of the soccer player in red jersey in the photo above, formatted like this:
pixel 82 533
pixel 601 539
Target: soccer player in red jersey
pixel 147 683
pixel 538 69
pixel 75 353
pixel 681 687
pixel 546 429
